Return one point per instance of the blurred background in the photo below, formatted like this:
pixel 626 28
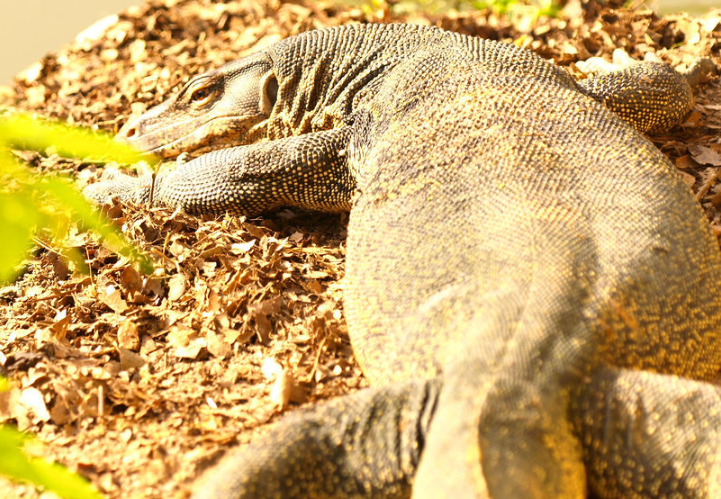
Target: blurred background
pixel 31 28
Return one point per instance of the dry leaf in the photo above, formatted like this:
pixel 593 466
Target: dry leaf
pixel 177 248
pixel 185 342
pixel 59 414
pixel 705 155
pixel 693 119
pixel 5 405
pixel 60 326
pixel 686 162
pixel 177 285
pixel 130 360
pixel 128 336
pixel 285 388
pixel 137 51
pixel 688 179
pixel 36 95
pixel 282 388
pixel 60 265
pixel 112 298
pixel 30 406
pixel 217 345
pixel 242 248
pixel 131 280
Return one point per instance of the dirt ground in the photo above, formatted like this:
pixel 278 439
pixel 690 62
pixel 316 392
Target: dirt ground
pixel 142 382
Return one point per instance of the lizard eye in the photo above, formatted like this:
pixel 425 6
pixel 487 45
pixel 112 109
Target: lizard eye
pixel 200 96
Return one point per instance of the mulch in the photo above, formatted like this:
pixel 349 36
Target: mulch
pixel 141 382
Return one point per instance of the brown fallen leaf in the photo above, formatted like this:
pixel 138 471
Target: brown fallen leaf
pixel 217 345
pixel 60 265
pixel 36 95
pixel 688 179
pixel 285 388
pixel 59 414
pixel 5 404
pixel 705 155
pixel 177 248
pixel 128 336
pixel 281 390
pixel 686 162
pixel 29 408
pixel 177 285
pixel 131 280
pixel 716 200
pixel 241 248
pixel 693 119
pixel 130 360
pixel 185 342
pixel 60 326
pixel 113 298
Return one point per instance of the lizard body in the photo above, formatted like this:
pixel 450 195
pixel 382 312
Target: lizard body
pixel 531 289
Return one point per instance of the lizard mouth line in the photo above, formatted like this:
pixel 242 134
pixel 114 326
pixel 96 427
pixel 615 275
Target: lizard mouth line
pixel 176 144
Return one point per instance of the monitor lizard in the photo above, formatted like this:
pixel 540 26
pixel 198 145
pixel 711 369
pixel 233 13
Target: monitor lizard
pixel 531 289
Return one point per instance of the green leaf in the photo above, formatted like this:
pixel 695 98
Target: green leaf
pixel 68 196
pixel 18 219
pixel 24 132
pixel 9 166
pixel 29 202
pixel 17 465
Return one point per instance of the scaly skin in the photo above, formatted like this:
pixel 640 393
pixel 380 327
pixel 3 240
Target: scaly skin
pixel 531 289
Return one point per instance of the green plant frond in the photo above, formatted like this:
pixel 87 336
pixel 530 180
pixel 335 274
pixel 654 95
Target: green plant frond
pixel 9 166
pixel 25 132
pixel 66 195
pixel 29 202
pixel 17 465
pixel 17 217
pixel 530 8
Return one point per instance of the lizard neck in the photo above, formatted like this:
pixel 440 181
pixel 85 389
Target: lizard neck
pixel 323 76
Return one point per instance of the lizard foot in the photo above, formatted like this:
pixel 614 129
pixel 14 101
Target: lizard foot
pixel 114 183
pixel 649 95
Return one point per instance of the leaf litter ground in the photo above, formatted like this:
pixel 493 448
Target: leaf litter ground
pixel 142 382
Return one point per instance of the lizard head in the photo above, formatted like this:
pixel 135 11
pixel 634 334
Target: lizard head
pixel 226 107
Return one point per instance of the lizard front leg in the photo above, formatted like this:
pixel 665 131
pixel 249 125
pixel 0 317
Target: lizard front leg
pixel 309 171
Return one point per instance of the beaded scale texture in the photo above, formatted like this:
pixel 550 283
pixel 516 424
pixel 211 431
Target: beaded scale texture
pixel 531 288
